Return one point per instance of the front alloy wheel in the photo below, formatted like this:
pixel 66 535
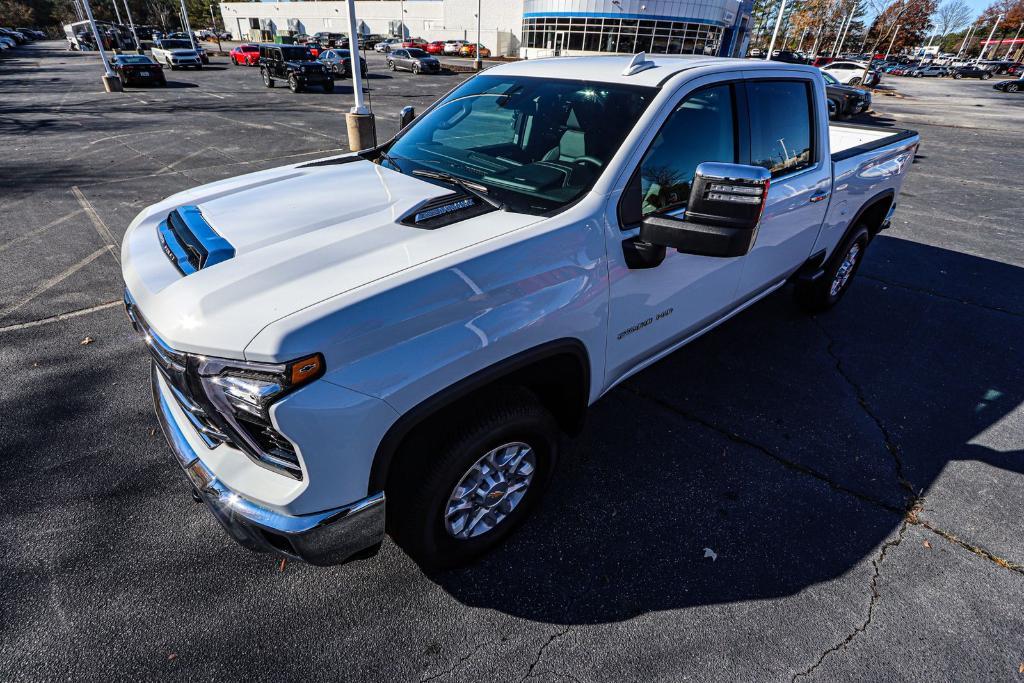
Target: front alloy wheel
pixel 1013 87
pixel 490 490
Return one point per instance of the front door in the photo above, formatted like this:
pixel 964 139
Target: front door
pixel 561 42
pixel 654 309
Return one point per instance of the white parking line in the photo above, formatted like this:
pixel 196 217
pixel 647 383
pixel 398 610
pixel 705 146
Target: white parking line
pixel 62 316
pixel 105 235
pixel 33 233
pixel 55 280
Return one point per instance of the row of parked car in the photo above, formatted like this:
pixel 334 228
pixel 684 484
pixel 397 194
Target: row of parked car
pixel 12 37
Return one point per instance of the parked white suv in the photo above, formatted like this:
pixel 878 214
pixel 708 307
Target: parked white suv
pixel 847 73
pixel 419 323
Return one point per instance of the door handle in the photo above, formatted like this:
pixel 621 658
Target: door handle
pixel 819 196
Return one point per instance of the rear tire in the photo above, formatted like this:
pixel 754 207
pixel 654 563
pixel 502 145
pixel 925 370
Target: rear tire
pixel 819 295
pixel 985 77
pixel 503 440
pixel 957 77
pixel 855 80
pixel 1013 87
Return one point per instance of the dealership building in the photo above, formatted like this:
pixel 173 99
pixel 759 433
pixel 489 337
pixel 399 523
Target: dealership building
pixel 517 28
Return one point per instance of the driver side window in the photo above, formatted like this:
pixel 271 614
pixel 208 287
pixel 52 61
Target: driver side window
pixel 702 128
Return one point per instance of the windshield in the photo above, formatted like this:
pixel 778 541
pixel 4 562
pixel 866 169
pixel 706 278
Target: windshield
pixel 535 144
pixel 296 54
pixel 176 44
pixel 134 59
pixel 829 78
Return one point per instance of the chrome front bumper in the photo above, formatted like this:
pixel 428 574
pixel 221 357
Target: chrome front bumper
pixel 323 538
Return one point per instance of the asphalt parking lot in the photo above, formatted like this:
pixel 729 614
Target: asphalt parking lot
pixel 857 477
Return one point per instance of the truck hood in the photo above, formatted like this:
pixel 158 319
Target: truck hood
pixel 300 235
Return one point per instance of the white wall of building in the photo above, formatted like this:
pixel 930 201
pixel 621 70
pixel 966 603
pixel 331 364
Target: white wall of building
pixel 501 20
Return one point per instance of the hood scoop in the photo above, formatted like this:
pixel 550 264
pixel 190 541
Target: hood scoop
pixel 189 241
pixel 445 210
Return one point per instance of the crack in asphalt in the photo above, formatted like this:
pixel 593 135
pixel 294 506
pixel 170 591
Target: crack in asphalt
pixel 540 653
pixel 945 297
pixel 788 464
pixel 462 660
pixel 875 596
pixel 890 443
pixel 62 316
pixel 970 547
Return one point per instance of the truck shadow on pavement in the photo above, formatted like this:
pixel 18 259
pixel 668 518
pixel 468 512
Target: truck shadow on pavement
pixel 778 451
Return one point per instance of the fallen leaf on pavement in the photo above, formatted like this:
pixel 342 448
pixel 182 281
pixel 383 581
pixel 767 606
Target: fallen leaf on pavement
pixel 87 340
pixel 708 552
pixel 1020 669
pixel 171 657
pixel 280 567
pixel 926 544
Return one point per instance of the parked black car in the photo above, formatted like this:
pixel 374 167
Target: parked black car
pixel 339 62
pixel 1010 86
pixel 788 56
pixel 844 100
pixel 413 59
pixel 971 72
pixel 329 39
pixel 138 69
pixel 295 64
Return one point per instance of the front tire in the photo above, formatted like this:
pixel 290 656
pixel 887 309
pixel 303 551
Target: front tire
pixel 957 77
pixel 391 65
pixel 816 296
pixel 267 80
pixel 462 487
pixel 1013 87
pixel 328 86
pixel 985 77
pixel 293 84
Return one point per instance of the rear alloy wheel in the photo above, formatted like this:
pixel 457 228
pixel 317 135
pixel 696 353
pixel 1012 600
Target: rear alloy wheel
pixel 855 81
pixel 985 77
pixel 821 294
pixel 957 77
pixel 1013 87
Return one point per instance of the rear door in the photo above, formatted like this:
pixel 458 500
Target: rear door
pixel 787 138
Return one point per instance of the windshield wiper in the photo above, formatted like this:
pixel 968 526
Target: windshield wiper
pixel 476 189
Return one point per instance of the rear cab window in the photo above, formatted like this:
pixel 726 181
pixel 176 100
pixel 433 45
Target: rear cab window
pixel 782 130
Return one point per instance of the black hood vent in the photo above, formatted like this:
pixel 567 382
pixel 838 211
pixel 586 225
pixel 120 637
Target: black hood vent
pixel 441 211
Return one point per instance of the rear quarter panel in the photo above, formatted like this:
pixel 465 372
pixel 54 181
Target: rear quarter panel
pixel 858 181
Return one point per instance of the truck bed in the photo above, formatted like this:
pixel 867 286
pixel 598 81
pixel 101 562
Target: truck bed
pixel 848 140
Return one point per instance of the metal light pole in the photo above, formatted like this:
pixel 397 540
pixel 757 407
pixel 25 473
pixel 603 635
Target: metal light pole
pixel 888 49
pixel 967 37
pixel 187 26
pixel 990 34
pixel 775 33
pixel 477 64
pixel 78 11
pixel 213 25
pixel 131 25
pixel 117 11
pixel 359 121
pixel 849 21
pixel 1013 43
pixel 111 83
pixel 801 43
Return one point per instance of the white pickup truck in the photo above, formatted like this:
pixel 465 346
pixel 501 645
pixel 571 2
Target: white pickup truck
pixel 413 327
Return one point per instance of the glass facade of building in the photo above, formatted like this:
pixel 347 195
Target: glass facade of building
pixel 619 34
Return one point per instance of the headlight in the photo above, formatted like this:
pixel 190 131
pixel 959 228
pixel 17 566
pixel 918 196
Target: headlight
pixel 242 394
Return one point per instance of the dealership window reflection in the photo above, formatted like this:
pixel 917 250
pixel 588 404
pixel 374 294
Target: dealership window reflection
pixel 629 36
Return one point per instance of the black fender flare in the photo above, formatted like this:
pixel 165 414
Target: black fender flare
pixel 389 445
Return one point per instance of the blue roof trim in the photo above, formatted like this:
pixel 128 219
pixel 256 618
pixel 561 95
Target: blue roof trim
pixel 621 15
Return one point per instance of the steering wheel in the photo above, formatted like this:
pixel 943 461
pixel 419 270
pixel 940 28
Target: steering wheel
pixel 589 160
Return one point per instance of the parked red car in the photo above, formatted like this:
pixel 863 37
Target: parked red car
pixel 435 48
pixel 314 46
pixel 415 42
pixel 246 54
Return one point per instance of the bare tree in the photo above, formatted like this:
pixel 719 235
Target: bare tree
pixel 951 16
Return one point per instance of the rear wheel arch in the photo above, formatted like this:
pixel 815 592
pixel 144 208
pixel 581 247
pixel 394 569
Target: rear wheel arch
pixel 557 373
pixel 873 212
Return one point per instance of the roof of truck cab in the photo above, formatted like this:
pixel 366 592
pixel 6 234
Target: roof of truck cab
pixel 609 68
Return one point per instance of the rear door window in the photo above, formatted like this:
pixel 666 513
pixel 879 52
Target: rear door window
pixel 781 125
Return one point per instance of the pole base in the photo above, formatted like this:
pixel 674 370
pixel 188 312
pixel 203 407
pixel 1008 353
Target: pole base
pixel 112 84
pixel 477 64
pixel 362 133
